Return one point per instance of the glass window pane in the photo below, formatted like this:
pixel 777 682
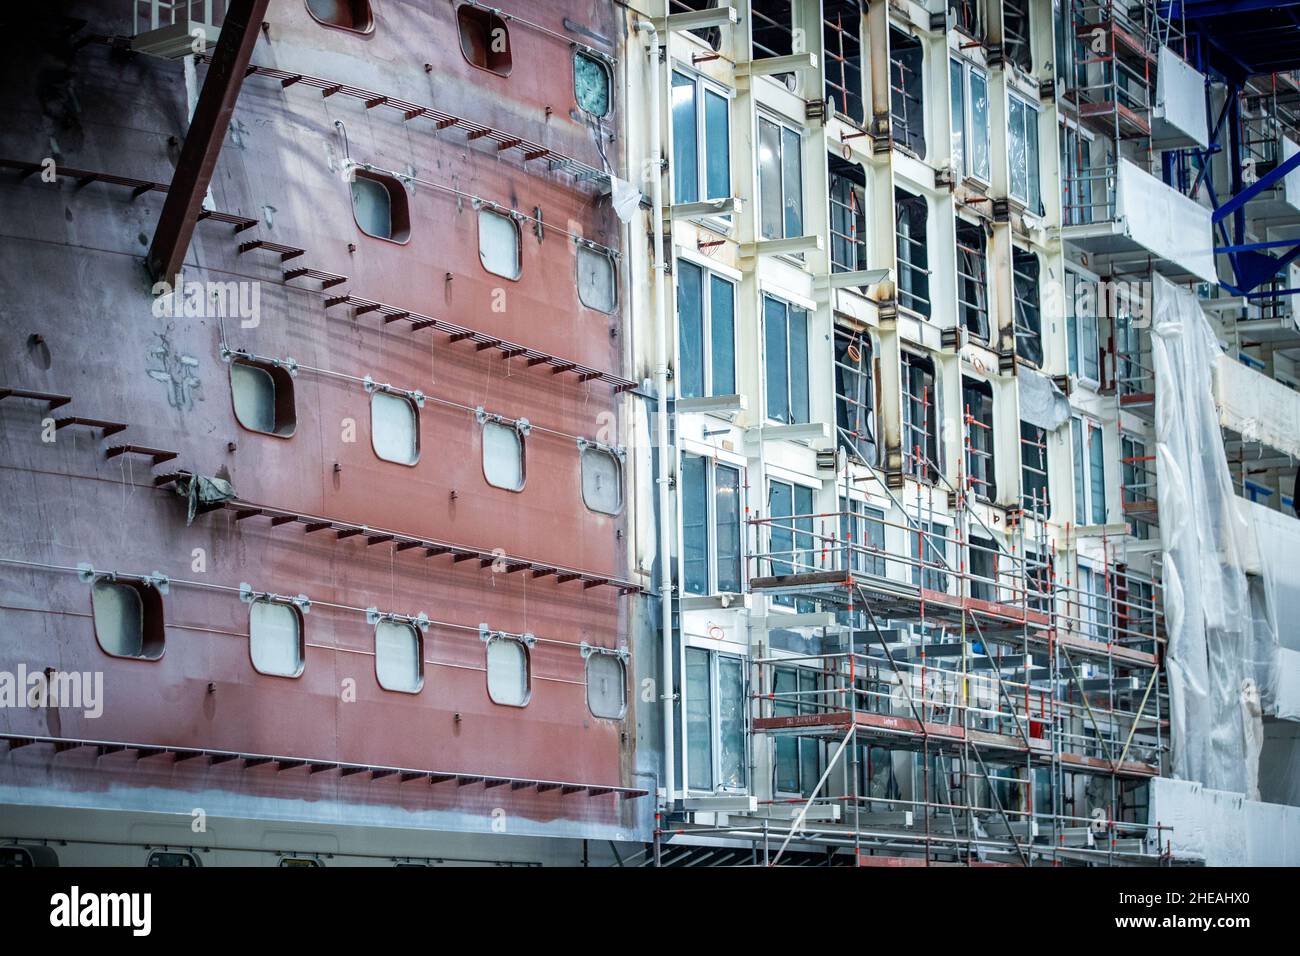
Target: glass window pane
pixel 780 506
pixel 498 244
pixel 398 659
pixel 606 686
pixel 717 138
pixel 1080 503
pixel 507 672
pixel 798 365
pixel 731 723
pixel 686 170
pixel 727 520
pixel 1016 146
pixel 957 94
pixel 1034 190
pixel 690 330
pixel 722 332
pixel 394 428
pixel 591 83
pixel 1097 465
pixel 979 125
pixel 695 525
pixel 699 725
pixel 119 619
pixel 503 456
pixel 253 390
pixel 275 638
pixel 792 181
pixel 602 484
pixel 596 286
pixel 771 211
pixel 372 206
pixel 778 382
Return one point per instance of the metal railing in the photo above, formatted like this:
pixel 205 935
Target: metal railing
pixel 148 15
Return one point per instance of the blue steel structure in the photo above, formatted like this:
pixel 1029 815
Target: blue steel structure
pixel 1236 40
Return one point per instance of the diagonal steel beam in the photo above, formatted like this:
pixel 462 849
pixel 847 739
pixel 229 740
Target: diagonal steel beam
pixel 211 120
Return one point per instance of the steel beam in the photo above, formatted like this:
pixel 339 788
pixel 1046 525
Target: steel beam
pixel 208 126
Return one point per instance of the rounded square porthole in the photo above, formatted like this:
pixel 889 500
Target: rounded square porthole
pixel 275 641
pixel 263 397
pixel 170 858
pixel 394 428
pixel 591 83
pixel 128 618
pixel 597 288
pixel 484 39
pixel 379 206
pixel 606 686
pixel 351 15
pixel 602 480
pixel 503 456
pixel 498 244
pixel 509 675
pixel 399 657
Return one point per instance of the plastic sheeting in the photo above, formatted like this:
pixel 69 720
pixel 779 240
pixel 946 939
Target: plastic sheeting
pixel 1041 402
pixel 1216 661
pixel 1224 829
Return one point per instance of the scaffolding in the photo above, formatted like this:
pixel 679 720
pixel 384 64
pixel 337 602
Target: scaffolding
pixel 968 706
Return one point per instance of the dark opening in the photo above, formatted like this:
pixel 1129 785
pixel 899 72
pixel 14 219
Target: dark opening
pixel 977 415
pixel 906 92
pixel 484 39
pixel 352 15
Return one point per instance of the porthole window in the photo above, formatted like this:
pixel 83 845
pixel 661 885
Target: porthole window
pixel 597 288
pixel 503 456
pixel 394 428
pixel 591 83
pixel 602 484
pixel 379 206
pixel 275 638
pixel 128 618
pixel 484 39
pixel 169 858
pixel 498 244
pixel 351 15
pixel 508 673
pixel 263 397
pixel 399 656
pixel 606 686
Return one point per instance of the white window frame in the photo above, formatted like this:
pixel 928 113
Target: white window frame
pixel 783 126
pixel 415 631
pixel 706 321
pixel 521 429
pixel 711 466
pixel 715 723
pixel 1081 437
pixel 702 143
pixel 1077 339
pixel 1034 164
pixel 967 126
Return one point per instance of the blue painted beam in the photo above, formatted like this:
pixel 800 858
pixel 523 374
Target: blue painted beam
pixel 1257 187
pixel 1251 246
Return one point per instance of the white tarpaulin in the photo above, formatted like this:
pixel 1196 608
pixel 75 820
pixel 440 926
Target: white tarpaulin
pixel 1213 658
pixel 1041 402
pixel 1166 222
